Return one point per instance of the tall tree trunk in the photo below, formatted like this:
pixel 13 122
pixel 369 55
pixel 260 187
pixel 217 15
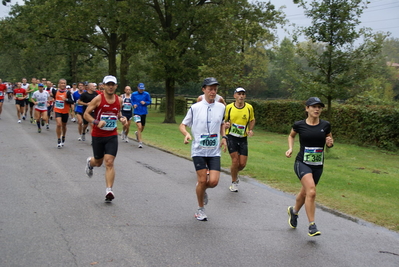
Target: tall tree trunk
pixel 124 67
pixel 329 100
pixel 170 100
pixel 113 47
pixel 73 65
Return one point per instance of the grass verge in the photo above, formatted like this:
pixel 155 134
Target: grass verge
pixel 358 181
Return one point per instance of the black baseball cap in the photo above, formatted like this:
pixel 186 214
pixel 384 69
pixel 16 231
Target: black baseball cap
pixel 210 81
pixel 314 101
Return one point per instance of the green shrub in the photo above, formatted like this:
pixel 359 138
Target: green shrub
pixel 180 105
pixel 278 115
pixel 356 124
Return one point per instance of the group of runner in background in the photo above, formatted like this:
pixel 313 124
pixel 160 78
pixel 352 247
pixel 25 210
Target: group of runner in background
pixel 40 101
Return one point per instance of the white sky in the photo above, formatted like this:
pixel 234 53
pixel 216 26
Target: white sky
pixel 381 15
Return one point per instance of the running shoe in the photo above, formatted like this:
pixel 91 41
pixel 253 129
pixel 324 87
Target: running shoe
pixel 39 130
pixel 63 140
pixel 42 121
pixel 59 145
pixel 206 198
pixel 123 135
pixel 83 137
pixel 137 135
pixel 23 117
pixel 313 230
pixel 292 217
pixel 200 215
pixel 89 169
pixel 127 140
pixel 31 120
pixel 234 186
pixel 109 195
pixel 73 119
pixel 19 121
pixel 80 138
pixel 47 127
pixel 140 145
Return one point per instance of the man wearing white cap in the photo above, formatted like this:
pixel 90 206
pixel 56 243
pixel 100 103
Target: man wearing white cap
pixel 240 122
pixel 107 107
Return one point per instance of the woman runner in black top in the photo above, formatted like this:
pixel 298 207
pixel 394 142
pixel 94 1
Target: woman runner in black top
pixel 314 134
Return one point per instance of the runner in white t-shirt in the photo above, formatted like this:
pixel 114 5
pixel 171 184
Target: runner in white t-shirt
pixel 41 100
pixel 25 85
pixel 207 127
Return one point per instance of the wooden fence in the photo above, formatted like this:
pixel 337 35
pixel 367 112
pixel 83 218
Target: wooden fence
pixel 157 99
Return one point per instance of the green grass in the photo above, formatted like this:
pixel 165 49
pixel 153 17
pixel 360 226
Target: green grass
pixel 362 182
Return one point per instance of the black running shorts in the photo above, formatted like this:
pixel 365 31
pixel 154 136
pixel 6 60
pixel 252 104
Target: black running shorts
pixel 237 144
pixel 302 169
pixel 211 163
pixel 104 145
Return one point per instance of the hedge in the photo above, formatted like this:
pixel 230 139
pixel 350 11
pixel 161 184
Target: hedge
pixel 180 105
pixel 361 125
pixel 356 124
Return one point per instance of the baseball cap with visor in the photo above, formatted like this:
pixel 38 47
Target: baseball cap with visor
pixel 209 81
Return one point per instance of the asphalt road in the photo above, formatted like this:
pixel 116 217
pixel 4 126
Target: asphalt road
pixel 52 214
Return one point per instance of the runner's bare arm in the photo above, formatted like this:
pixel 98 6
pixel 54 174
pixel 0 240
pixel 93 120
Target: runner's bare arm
pixel 291 139
pixel 187 135
pixel 122 118
pixel 92 106
pixel 223 142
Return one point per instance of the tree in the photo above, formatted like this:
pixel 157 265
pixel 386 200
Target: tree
pixel 391 50
pixel 283 74
pixel 241 42
pixel 26 54
pixel 4 2
pixel 185 33
pixel 78 22
pixel 169 28
pixel 336 63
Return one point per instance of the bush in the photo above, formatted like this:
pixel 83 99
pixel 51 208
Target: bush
pixel 278 115
pixel 180 105
pixel 367 125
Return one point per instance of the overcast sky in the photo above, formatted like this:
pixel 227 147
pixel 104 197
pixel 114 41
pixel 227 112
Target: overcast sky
pixel 381 15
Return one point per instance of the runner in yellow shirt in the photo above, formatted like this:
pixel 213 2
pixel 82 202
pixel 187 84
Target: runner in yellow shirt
pixel 240 121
